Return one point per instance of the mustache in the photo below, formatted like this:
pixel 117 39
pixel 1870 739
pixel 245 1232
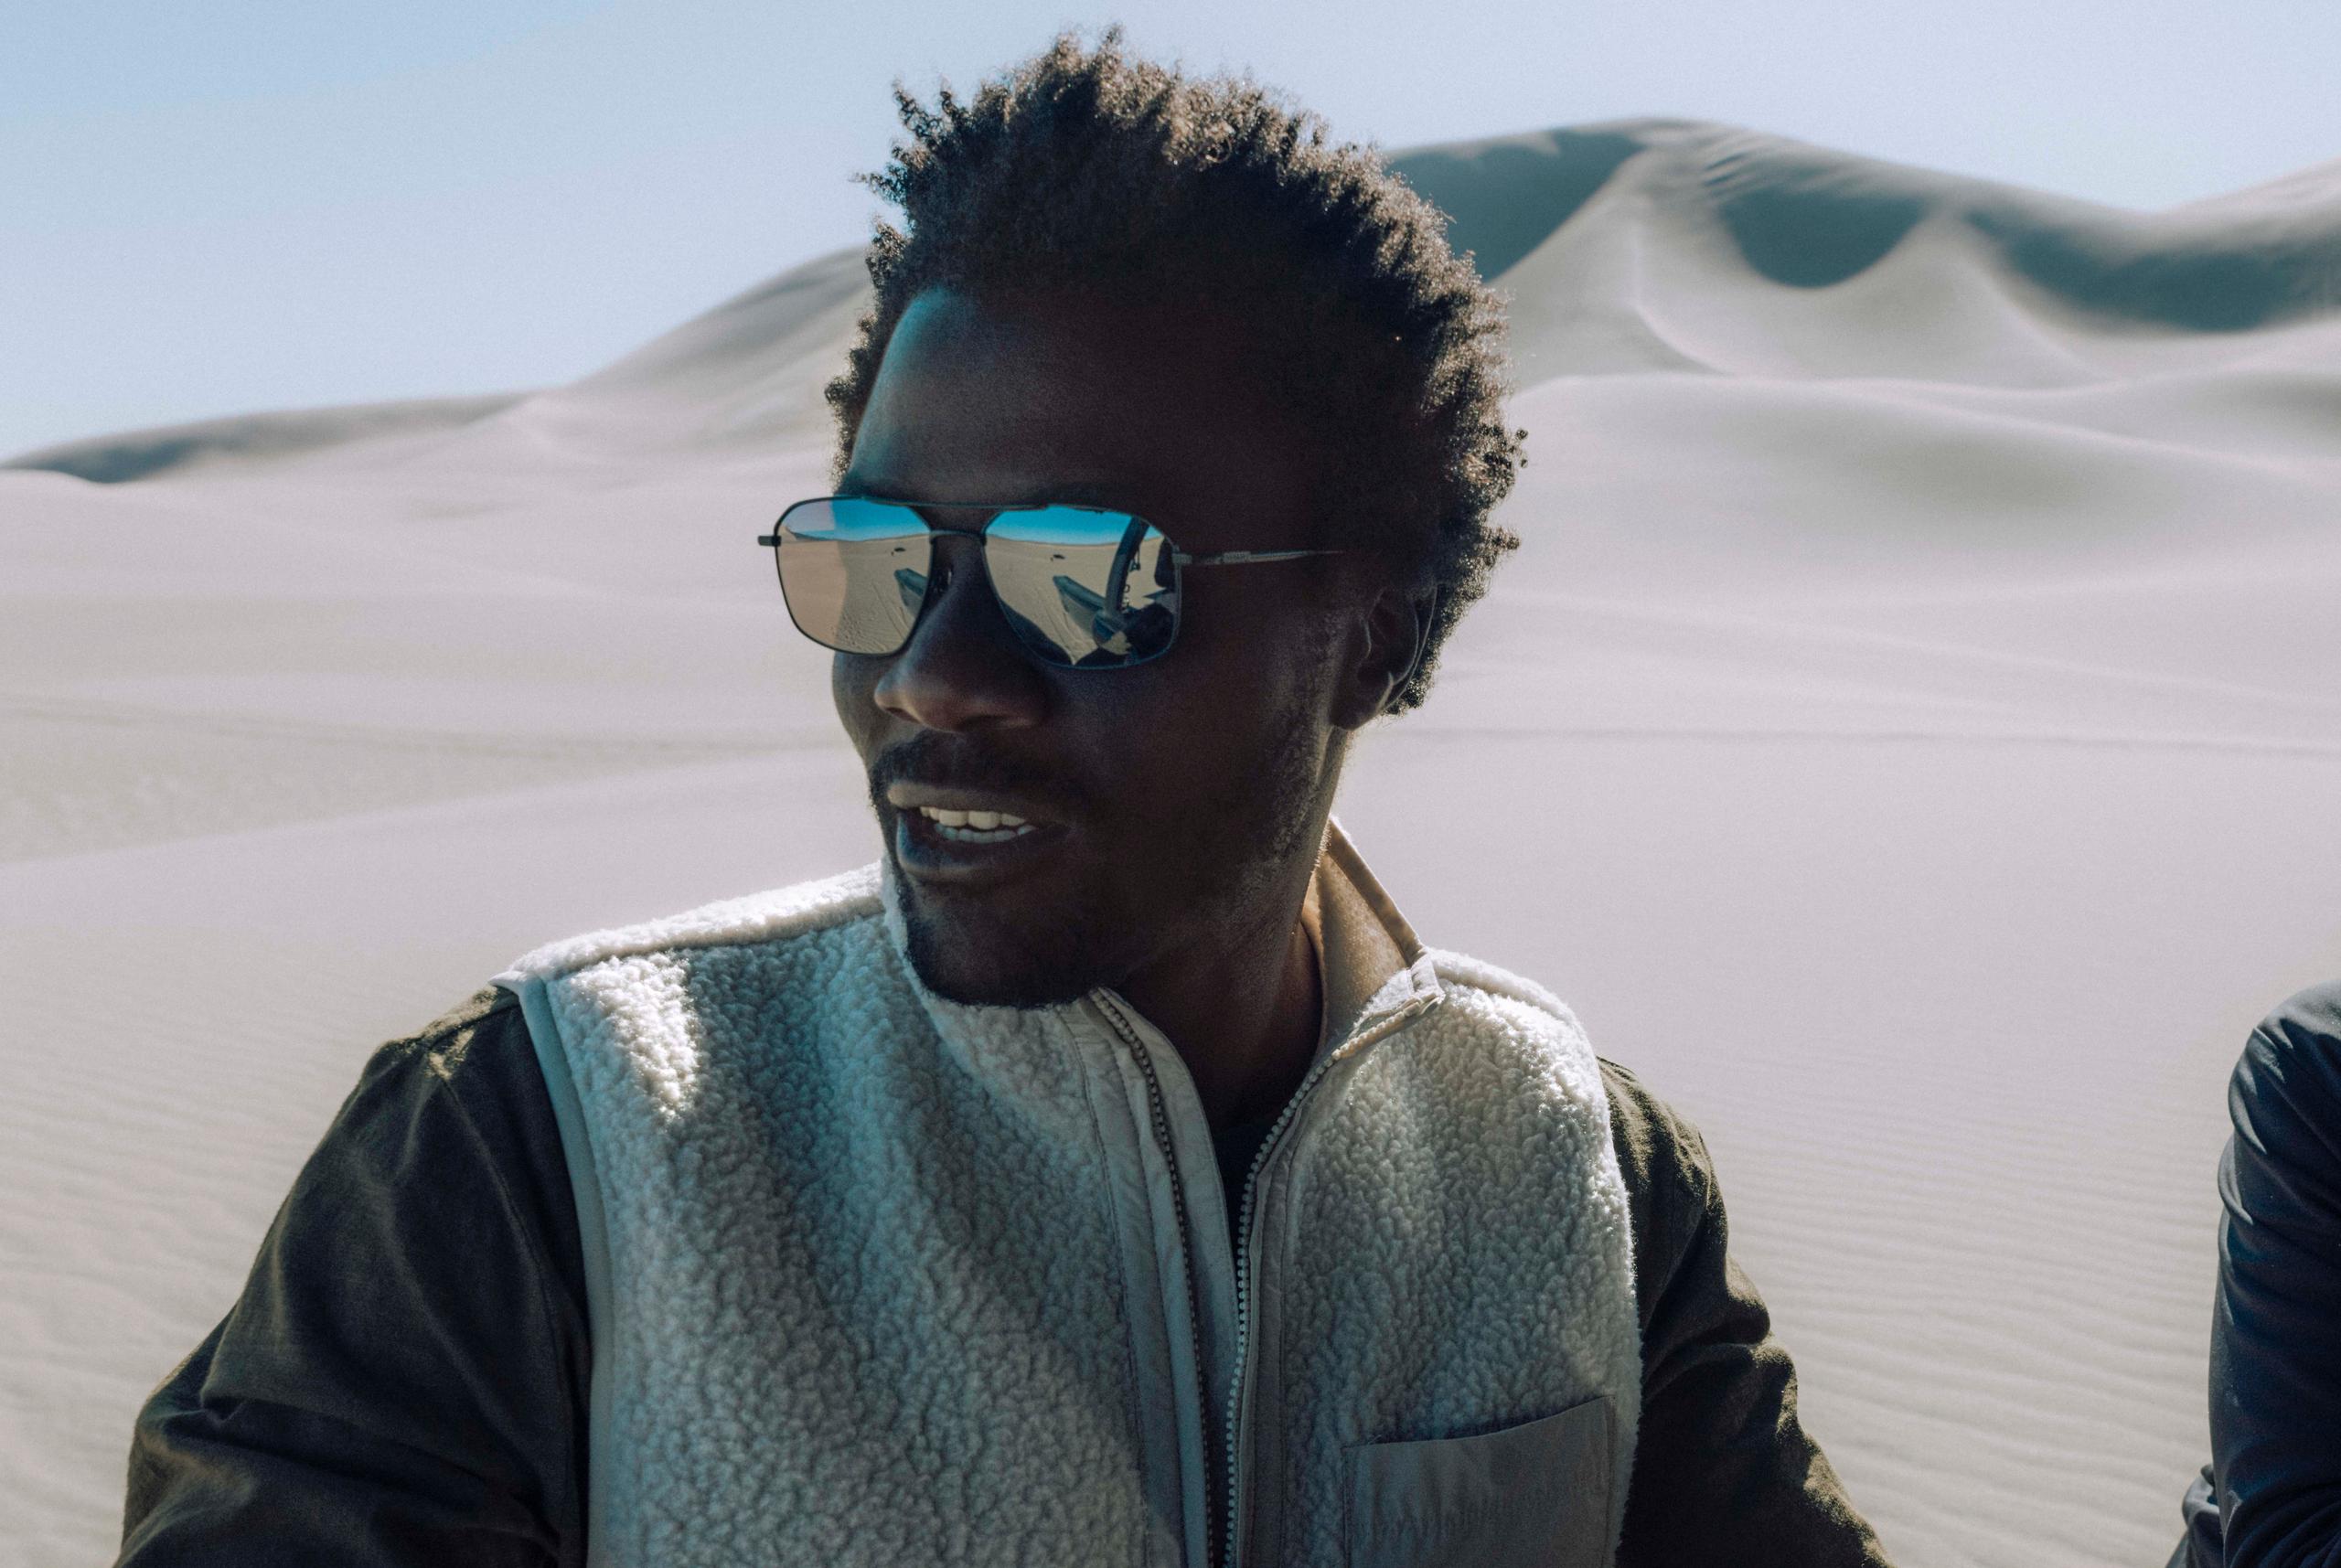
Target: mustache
pixel 941 761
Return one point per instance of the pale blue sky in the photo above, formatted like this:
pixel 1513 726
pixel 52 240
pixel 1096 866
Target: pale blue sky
pixel 246 204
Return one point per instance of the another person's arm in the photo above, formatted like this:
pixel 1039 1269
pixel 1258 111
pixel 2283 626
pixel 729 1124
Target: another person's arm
pixel 2276 1326
pixel 1722 1470
pixel 401 1381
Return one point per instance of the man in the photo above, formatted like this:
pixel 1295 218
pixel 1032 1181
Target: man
pixel 1108 1174
pixel 2272 1495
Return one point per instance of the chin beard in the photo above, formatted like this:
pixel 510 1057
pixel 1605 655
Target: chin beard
pixel 1001 968
pixel 1102 933
pixel 976 957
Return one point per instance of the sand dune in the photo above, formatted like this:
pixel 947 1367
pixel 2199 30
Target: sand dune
pixel 1909 734
pixel 249 438
pixel 1712 219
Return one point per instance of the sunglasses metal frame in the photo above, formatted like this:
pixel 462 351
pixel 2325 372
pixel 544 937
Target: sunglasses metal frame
pixel 1179 558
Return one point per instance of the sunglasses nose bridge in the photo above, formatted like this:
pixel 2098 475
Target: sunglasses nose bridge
pixel 959 587
pixel 953 554
pixel 956 519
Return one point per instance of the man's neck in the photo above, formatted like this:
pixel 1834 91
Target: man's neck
pixel 1246 1024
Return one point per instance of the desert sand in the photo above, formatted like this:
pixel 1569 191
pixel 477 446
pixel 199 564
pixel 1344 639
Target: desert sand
pixel 1910 736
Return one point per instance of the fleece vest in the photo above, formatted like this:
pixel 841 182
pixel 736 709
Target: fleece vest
pixel 877 1278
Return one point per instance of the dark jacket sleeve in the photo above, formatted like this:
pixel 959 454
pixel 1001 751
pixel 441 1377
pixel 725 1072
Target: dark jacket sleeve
pixel 2276 1325
pixel 400 1382
pixel 1722 1470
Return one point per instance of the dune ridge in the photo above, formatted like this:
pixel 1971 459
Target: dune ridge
pixel 1809 218
pixel 146 453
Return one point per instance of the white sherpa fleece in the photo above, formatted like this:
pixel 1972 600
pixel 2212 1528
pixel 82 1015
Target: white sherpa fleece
pixel 1460 1237
pixel 878 1279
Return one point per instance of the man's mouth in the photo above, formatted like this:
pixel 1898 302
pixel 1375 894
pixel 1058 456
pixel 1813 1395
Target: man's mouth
pixel 969 837
pixel 976 827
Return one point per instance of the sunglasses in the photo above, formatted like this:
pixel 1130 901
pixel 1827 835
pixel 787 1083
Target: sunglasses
pixel 1084 588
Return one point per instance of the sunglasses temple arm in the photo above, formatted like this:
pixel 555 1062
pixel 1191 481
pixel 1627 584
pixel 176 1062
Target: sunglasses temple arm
pixel 1247 557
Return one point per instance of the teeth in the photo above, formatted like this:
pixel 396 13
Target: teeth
pixel 984 827
pixel 983 820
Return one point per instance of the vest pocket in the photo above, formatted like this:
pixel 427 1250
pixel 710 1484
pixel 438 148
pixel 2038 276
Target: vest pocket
pixel 1530 1496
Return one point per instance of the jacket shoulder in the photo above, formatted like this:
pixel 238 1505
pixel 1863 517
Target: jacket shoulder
pixel 475 1063
pixel 777 915
pixel 1659 1150
pixel 2307 1020
pixel 454 1029
pixel 2289 1076
pixel 483 1036
pixel 1671 1197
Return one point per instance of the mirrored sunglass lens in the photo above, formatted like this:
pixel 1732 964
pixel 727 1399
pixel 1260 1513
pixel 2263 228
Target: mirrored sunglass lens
pixel 1085 588
pixel 854 573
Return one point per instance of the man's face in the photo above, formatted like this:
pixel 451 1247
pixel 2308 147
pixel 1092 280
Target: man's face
pixel 1169 801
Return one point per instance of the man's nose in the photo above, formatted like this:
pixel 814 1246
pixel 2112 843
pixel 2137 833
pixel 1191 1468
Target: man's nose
pixel 963 667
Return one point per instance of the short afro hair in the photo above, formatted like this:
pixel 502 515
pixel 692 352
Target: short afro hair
pixel 1086 169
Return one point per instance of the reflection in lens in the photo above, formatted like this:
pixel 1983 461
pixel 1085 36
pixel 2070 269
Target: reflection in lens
pixel 854 573
pixel 1085 588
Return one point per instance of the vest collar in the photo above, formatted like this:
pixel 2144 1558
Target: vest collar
pixel 1377 975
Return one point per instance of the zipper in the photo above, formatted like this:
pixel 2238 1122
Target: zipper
pixel 1229 1554
pixel 1158 1113
pixel 1244 1303
pixel 1243 1266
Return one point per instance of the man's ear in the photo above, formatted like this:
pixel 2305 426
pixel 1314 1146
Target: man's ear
pixel 1397 627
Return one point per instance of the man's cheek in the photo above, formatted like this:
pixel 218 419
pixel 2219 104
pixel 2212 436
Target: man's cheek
pixel 851 691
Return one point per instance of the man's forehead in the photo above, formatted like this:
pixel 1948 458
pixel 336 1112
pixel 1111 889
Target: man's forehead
pixel 1062 398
